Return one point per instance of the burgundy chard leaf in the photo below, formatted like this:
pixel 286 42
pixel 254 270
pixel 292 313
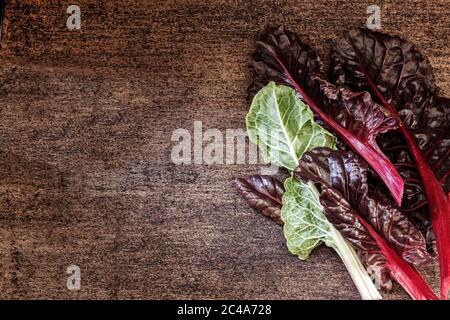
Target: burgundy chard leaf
pixel 346 174
pixel 263 193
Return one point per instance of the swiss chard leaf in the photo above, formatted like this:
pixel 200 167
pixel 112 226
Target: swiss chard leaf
pixel 305 224
pixel 282 57
pixel 263 193
pixel 342 183
pixel 283 126
pixel 357 112
pixel 346 175
pixel 432 133
pixel 401 79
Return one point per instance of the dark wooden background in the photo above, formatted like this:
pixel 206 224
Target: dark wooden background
pixel 85 124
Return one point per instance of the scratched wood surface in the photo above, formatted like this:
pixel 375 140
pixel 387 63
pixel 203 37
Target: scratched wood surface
pixel 85 124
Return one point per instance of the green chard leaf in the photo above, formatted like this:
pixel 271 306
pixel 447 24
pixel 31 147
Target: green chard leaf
pixel 305 225
pixel 284 127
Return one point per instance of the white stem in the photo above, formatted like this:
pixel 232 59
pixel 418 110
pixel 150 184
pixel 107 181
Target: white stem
pixel 358 273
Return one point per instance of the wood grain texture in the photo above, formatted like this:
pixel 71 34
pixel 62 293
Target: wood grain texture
pixel 85 124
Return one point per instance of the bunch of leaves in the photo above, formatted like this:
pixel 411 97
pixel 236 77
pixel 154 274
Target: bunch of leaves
pixel 380 83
